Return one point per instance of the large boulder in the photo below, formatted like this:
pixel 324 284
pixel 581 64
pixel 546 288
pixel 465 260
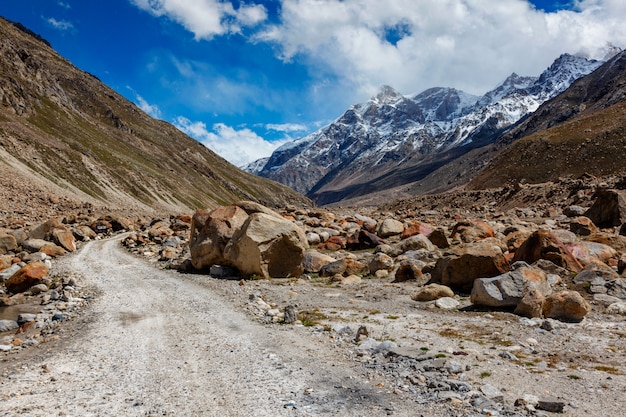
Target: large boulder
pixel 590 252
pixel 468 231
pixel 314 261
pixel 568 306
pixel 390 227
pixel 470 262
pixel 28 276
pixel 8 243
pixel 543 244
pixel 64 237
pixel 410 270
pixel 267 246
pixel 416 242
pixel 344 267
pixel 432 292
pixel 381 261
pixel 609 209
pixel 508 289
pixel 210 233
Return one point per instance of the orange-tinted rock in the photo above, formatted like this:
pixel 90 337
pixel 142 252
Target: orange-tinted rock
pixel 543 244
pixel 29 275
pixel 433 292
pixel 567 306
pixel 64 238
pixel 582 226
pixel 333 243
pixel 468 231
pixel 53 250
pixel 416 228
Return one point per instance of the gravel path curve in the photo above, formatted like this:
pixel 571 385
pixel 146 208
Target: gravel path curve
pixel 159 343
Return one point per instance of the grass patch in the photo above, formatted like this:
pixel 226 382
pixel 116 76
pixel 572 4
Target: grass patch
pixel 608 369
pixel 485 374
pixel 310 318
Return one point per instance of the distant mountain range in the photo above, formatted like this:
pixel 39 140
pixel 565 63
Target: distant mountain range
pixel 394 141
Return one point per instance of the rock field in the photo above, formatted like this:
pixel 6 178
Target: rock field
pixel 507 302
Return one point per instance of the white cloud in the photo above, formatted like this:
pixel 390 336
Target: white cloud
pixel 151 109
pixel 206 18
pixel 60 24
pixel 238 147
pixel 468 44
pixel 286 127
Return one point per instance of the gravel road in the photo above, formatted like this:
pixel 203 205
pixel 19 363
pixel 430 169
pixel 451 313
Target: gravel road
pixel 157 343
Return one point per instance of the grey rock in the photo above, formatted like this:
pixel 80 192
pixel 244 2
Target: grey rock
pixel 26 318
pixel 8 273
pixel 8 325
pixel 492 393
pixel 447 303
pixel 290 314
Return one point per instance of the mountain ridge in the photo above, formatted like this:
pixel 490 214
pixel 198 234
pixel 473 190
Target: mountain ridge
pixel 358 152
pixel 82 139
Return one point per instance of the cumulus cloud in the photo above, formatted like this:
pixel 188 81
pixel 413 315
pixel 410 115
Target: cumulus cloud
pixel 60 24
pixel 239 147
pixel 468 44
pixel 151 109
pixel 206 18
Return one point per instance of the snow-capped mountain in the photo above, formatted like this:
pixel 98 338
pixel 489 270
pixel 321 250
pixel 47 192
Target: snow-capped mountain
pixel 379 136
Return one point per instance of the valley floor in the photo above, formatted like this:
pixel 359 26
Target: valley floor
pixel 155 342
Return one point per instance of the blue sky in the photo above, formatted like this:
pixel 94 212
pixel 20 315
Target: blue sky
pixel 242 77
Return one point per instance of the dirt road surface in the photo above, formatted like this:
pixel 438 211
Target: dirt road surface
pixel 157 343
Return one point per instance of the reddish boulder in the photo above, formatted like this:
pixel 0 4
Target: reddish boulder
pixel 30 275
pixel 416 228
pixel 568 306
pixel 333 243
pixel 363 240
pixel 64 238
pixel 543 244
pixel 468 231
pixel 53 250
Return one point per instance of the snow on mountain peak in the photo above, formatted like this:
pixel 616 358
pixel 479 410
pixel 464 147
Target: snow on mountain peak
pixel 390 128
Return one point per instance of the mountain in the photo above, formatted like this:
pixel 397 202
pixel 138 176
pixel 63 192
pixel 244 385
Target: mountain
pixel 65 133
pixel 580 131
pixel 393 140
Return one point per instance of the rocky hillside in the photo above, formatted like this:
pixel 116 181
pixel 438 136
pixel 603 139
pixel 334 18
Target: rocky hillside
pixel 66 136
pixel 581 130
pixel 393 140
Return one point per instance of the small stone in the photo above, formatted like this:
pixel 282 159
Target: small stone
pixel 447 303
pixel 290 314
pixel 551 406
pixel 492 393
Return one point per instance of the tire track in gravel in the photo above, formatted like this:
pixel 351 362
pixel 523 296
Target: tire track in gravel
pixel 160 343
